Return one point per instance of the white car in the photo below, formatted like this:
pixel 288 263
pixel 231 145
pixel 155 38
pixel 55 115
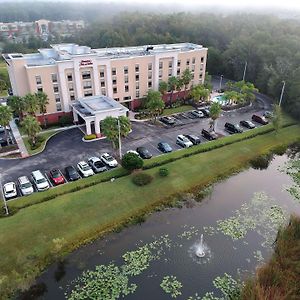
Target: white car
pixel 25 186
pixel 133 151
pixel 109 160
pixel 183 141
pixel 40 181
pixel 197 113
pixel 85 169
pixel 9 190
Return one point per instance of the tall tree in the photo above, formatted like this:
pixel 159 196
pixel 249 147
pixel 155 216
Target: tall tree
pixel 186 77
pixel 16 103
pixel 5 117
pixel 172 84
pixel 179 85
pixel 163 87
pixel 154 103
pixel 277 118
pixel 42 100
pixel 31 104
pixel 32 128
pixel 215 111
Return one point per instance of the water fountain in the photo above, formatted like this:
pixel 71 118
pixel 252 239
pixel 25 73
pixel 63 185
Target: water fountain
pixel 200 250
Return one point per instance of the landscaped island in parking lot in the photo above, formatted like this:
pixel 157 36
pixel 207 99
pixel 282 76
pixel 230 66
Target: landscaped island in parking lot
pixel 48 230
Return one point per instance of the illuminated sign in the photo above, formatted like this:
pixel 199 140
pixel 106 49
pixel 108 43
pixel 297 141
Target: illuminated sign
pixel 86 62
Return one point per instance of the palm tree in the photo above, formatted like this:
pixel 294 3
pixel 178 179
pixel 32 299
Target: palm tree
pixel 42 100
pixel 16 103
pixel 32 128
pixel 172 84
pixel 154 103
pixel 187 76
pixel 31 104
pixel 5 117
pixel 163 87
pixel 179 85
pixel 215 111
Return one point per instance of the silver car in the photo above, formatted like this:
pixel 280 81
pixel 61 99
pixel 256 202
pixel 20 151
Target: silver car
pixel 25 185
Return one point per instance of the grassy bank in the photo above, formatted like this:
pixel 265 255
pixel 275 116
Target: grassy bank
pixel 182 108
pixel 279 278
pixel 4 74
pixel 38 234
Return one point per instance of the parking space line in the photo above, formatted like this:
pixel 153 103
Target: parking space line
pixel 48 179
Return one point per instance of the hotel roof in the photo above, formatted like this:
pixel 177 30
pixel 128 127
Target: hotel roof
pixel 65 52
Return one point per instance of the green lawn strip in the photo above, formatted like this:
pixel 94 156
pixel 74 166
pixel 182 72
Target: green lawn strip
pixel 170 111
pixel 26 239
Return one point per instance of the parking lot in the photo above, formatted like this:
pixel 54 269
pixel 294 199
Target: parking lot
pixel 67 147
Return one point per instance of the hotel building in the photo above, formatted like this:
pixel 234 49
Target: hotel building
pixel 68 72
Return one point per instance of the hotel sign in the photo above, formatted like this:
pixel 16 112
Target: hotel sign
pixel 86 62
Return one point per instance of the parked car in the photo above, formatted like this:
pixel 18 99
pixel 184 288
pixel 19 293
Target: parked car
pixel 168 120
pixel 71 173
pixel 40 181
pixel 84 169
pixel 143 152
pixel 193 138
pixel 164 147
pixel 109 160
pixel 2 129
pixel 209 135
pixel 197 113
pixel 97 164
pixel 133 151
pixel 260 119
pixel 56 176
pixel 233 128
pixel 25 186
pixel 247 124
pixel 183 141
pixel 9 190
pixel 268 114
pixel 205 112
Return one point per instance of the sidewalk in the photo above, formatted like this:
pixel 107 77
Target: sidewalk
pixel 16 133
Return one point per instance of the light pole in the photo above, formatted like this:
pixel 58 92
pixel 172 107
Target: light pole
pixel 282 91
pixel 5 204
pixel 221 78
pixel 120 146
pixel 245 69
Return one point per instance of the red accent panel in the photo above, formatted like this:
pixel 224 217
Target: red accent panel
pixel 53 118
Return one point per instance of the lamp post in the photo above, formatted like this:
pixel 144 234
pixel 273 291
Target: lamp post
pixel 245 69
pixel 120 146
pixel 221 78
pixel 282 91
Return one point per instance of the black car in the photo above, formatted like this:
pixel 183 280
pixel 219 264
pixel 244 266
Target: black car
pixel 260 119
pixel 143 152
pixel 71 173
pixel 164 147
pixel 193 138
pixel 209 135
pixel 233 128
pixel 205 112
pixel 168 120
pixel 247 124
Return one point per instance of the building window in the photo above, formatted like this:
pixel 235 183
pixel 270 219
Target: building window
pixel 178 71
pixel 137 85
pixel 149 66
pixel 103 91
pixel 38 79
pixel 126 98
pixel 200 75
pixel 113 71
pixel 126 88
pixel 149 84
pixel 126 70
pixel 71 87
pixel 40 89
pixel 160 64
pixel 57 98
pixel 188 62
pixel 58 107
pixel 170 64
pixel 202 59
pixel 102 83
pixel 193 68
pixel 101 73
pixel 114 80
pixel 70 77
pixel 86 75
pixel 55 88
pixel 116 99
pixel 126 78
pixel 54 78
pixel 160 73
pixel 178 63
pixel 192 82
pixel 137 94
pixel 137 68
pixel 87 85
pixel 193 60
pixel 137 77
pixel 88 93
pixel 150 75
pixel 115 90
pixel 72 97
pixel 170 72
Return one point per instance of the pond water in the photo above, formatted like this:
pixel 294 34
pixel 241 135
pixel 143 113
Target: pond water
pixel 238 220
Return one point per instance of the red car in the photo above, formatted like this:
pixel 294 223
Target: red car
pixel 56 176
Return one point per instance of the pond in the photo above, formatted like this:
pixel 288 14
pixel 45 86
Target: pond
pixel 157 259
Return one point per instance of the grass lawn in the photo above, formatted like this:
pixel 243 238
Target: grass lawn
pixel 170 111
pixel 26 238
pixel 45 137
pixel 3 71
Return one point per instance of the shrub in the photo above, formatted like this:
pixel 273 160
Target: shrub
pixel 163 172
pixel 131 161
pixel 89 137
pixel 141 179
pixel 38 142
pixel 65 120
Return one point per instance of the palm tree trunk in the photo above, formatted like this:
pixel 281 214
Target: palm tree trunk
pixel 44 119
pixel 171 98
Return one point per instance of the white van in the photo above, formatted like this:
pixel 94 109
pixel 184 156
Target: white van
pixel 40 181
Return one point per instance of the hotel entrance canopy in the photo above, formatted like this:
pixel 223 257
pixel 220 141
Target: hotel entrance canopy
pixel 94 109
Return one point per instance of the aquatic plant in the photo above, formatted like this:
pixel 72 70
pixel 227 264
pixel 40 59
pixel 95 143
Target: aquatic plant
pixel 171 286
